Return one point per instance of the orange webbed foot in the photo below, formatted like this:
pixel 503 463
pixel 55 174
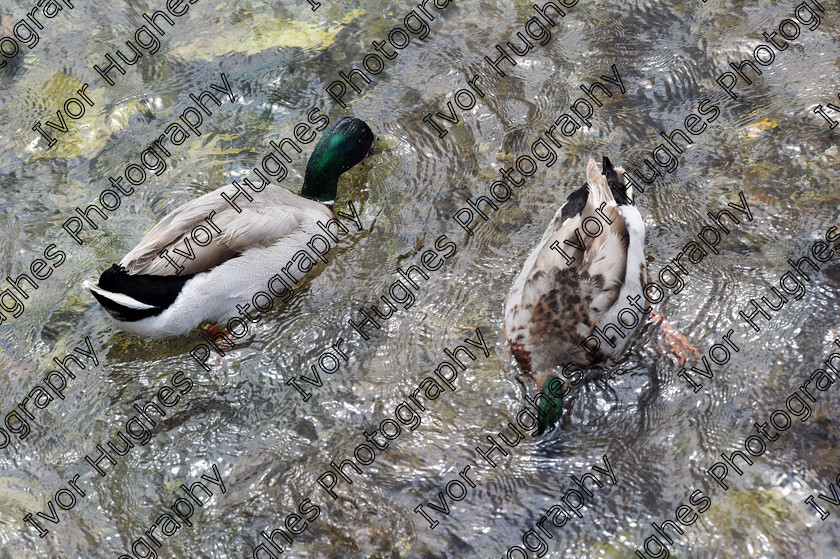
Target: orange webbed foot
pixel 671 343
pixel 221 337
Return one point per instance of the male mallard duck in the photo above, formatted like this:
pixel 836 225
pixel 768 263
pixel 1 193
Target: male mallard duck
pixel 147 295
pixel 564 292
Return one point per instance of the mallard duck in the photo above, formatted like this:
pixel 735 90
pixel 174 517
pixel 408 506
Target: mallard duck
pixel 148 295
pixel 563 293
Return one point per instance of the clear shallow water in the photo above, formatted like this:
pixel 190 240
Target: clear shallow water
pixel 270 447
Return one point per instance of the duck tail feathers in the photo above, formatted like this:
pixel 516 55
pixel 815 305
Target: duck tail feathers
pixel 129 298
pixel 120 306
pixel 620 191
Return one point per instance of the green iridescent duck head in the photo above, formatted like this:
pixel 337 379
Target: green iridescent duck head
pixel 348 142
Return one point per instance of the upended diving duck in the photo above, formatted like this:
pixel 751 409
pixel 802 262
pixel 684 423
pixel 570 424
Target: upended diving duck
pixel 563 293
pixel 148 296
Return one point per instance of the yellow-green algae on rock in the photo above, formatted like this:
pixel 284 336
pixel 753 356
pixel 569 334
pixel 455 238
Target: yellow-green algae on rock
pixel 261 35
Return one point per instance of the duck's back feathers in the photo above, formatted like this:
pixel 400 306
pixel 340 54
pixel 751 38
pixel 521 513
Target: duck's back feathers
pixel 279 214
pixel 563 292
pixel 152 297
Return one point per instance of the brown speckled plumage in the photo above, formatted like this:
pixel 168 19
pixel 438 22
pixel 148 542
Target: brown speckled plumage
pixel 555 304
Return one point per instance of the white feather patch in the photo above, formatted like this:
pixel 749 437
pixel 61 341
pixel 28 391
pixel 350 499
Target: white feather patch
pixel 118 298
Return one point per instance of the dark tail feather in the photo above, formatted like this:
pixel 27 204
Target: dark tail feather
pixel 617 185
pixel 157 291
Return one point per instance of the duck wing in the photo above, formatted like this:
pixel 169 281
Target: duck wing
pixel 563 292
pixel 208 231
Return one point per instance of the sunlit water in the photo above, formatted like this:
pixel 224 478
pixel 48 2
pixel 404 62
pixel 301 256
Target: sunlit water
pixel 270 446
